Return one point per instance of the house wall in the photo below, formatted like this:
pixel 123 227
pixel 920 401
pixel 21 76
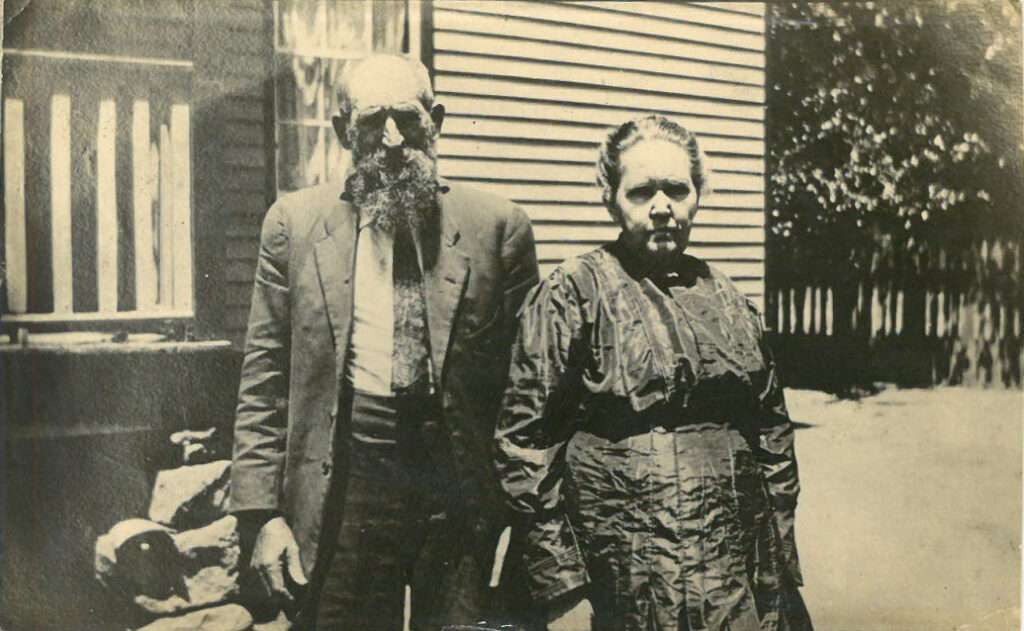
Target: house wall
pixel 532 88
pixel 233 153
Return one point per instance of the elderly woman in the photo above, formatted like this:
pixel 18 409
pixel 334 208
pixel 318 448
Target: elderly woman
pixel 643 428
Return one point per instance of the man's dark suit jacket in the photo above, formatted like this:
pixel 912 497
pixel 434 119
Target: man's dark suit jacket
pixel 293 375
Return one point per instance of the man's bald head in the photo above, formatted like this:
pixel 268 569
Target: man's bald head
pixel 384 80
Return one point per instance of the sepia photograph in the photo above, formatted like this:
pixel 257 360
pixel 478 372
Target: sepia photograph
pixel 511 315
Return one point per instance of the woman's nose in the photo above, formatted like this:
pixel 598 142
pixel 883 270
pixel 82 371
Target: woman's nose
pixel 392 138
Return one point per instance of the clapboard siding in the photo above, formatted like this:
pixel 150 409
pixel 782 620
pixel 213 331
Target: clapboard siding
pixel 531 89
pixel 234 155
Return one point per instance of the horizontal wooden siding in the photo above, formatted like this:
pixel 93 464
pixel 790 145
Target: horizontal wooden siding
pixel 531 89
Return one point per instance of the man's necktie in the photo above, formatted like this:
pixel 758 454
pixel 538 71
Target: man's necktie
pixel 410 366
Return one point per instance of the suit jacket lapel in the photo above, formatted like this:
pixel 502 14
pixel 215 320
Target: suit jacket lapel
pixel 444 281
pixel 335 262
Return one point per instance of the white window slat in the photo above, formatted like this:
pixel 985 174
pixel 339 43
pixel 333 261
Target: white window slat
pixel 166 225
pixel 182 257
pixel 15 235
pixel 142 196
pixel 106 206
pixel 60 202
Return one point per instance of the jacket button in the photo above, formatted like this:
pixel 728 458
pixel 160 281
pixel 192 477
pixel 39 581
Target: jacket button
pixel 327 469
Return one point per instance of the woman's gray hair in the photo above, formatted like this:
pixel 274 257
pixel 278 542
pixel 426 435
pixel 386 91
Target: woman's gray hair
pixel 648 127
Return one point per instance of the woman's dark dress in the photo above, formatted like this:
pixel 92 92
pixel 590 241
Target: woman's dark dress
pixel 644 430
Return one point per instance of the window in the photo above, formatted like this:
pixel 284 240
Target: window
pixel 97 166
pixel 312 43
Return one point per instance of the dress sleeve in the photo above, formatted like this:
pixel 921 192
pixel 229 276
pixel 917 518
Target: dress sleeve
pixel 533 428
pixel 777 457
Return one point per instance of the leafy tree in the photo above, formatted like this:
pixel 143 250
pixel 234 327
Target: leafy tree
pixel 895 130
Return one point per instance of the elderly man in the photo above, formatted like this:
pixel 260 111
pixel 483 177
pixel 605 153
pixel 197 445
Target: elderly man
pixel 375 358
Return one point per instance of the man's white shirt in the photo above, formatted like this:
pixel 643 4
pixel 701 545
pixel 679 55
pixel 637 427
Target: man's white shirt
pixel 373 317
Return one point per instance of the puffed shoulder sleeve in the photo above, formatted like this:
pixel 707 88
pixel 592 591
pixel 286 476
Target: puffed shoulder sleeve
pixel 534 426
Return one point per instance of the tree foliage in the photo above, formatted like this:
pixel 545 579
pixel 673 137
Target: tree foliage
pixel 894 130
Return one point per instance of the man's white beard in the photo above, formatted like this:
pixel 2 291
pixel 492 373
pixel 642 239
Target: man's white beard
pixel 396 197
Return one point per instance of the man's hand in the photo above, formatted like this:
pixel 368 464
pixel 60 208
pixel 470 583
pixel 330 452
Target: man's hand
pixel 575 614
pixel 275 556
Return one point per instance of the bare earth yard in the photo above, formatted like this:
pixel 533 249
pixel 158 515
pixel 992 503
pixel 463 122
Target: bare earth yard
pixel 910 517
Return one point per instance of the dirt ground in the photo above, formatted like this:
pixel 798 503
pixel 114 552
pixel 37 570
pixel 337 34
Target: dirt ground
pixel 910 516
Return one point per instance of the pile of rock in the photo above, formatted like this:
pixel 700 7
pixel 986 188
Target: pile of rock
pixel 179 567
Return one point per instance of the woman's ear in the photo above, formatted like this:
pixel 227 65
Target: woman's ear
pixel 341 130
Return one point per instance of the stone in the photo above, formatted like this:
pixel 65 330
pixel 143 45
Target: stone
pixel 222 618
pixel 165 572
pixel 196 445
pixel 191 496
pixel 208 565
pixel 138 556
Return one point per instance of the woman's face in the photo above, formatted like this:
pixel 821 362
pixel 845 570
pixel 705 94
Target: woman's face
pixel 656 200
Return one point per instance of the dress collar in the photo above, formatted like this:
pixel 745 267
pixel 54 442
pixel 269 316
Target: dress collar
pixel 683 267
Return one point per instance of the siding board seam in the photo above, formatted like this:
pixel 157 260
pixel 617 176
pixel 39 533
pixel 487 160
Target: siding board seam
pixel 644 53
pixel 459 9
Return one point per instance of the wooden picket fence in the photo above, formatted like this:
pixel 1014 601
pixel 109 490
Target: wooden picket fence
pixel 954 317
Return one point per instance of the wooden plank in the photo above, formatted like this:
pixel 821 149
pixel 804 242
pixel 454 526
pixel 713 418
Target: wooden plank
pixel 95 316
pixel 461 147
pixel 557 252
pixel 750 8
pixel 596 213
pixel 106 206
pixel 60 202
pixel 605 116
pixel 146 282
pixel 66 55
pixel 510 26
pixel 571 52
pixel 460 125
pixel 716 252
pixel 569 13
pixel 702 116
pixel 569 173
pixel 415 28
pixel 15 235
pixel 576 153
pixel 598 77
pixel 166 222
pixel 750 287
pixel 579 193
pixel 182 173
pixel 599 233
pixel 686 12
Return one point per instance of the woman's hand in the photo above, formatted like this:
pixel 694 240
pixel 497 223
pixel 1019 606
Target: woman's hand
pixel 275 558
pixel 572 614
